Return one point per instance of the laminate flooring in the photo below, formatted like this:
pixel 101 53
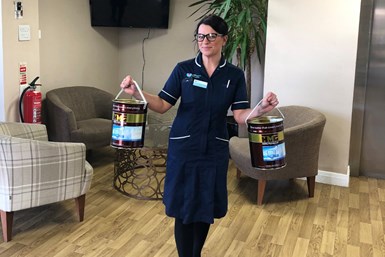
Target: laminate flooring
pixel 338 221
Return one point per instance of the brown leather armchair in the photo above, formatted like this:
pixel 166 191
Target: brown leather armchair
pixel 303 128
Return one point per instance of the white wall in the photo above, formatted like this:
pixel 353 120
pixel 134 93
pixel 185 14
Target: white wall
pixel 310 60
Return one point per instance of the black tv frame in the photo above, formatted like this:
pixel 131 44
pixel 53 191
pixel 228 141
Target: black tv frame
pixel 130 13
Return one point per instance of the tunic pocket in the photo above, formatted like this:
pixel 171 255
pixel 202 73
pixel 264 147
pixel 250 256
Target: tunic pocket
pixel 187 93
pixel 178 144
pixel 190 92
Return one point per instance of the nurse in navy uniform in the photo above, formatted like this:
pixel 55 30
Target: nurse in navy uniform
pixel 195 190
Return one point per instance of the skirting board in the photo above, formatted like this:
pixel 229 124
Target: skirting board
pixel 332 178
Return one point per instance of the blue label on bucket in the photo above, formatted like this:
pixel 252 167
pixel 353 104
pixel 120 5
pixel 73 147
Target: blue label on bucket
pixel 273 152
pixel 127 133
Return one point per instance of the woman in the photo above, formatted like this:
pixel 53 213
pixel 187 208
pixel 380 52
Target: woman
pixel 195 189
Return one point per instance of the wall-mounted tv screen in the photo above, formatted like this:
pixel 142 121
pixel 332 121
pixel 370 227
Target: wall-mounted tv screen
pixel 130 13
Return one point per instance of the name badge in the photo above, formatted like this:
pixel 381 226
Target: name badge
pixel 200 83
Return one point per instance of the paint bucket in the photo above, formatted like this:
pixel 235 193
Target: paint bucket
pixel 266 139
pixel 128 121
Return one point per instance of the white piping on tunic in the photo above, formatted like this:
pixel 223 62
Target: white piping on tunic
pixel 180 137
pixel 222 139
pixel 196 61
pixel 169 94
pixel 223 65
pixel 240 102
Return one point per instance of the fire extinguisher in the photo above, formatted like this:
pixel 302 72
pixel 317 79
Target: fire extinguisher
pixel 30 104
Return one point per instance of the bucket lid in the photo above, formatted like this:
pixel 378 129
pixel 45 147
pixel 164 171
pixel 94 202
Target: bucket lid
pixel 265 120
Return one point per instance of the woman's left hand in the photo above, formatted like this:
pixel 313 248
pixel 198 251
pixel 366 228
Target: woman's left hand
pixel 269 102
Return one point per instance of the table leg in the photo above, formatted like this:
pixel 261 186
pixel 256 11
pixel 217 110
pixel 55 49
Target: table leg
pixel 140 173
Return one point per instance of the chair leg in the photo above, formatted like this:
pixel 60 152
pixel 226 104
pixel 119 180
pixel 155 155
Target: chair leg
pixel 80 204
pixel 311 185
pixel 238 174
pixel 261 191
pixel 6 223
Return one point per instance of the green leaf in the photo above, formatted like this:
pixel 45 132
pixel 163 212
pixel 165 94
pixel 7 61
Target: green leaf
pixel 241 17
pixel 198 3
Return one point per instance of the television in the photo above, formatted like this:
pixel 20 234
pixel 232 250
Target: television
pixel 130 13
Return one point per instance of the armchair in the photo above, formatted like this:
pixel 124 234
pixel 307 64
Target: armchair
pixel 79 114
pixel 303 129
pixel 36 172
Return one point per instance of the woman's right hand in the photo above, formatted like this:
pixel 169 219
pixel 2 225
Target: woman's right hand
pixel 128 85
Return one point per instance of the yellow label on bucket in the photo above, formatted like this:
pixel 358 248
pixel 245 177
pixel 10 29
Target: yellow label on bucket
pixel 266 138
pixel 129 118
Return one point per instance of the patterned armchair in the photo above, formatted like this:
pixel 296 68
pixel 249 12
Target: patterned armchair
pixel 35 172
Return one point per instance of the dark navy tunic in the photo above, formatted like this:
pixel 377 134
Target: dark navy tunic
pixel 195 187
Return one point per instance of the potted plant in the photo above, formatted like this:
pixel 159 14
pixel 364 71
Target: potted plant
pixel 247 29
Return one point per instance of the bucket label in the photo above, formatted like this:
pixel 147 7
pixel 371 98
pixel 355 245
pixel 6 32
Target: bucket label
pixel 266 138
pixel 128 118
pixel 127 133
pixel 273 152
pixel 266 141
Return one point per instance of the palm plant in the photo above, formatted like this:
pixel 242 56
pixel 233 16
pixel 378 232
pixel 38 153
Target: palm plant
pixel 247 29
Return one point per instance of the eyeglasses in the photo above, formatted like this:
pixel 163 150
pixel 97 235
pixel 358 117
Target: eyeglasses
pixel 210 37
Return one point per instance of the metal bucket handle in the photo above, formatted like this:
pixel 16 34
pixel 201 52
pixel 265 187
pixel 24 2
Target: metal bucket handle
pixel 140 92
pixel 257 106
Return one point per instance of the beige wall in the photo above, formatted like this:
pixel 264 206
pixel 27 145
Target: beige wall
pixel 166 47
pixel 72 53
pixel 15 51
pixel 2 116
pixel 310 60
pixel 163 49
pixel 311 52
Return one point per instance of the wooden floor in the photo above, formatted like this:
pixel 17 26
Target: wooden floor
pixel 336 222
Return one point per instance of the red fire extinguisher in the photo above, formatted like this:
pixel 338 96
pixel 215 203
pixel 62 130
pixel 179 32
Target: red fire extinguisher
pixel 30 104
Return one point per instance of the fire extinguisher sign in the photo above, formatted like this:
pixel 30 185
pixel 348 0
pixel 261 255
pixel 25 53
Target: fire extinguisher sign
pixel 23 73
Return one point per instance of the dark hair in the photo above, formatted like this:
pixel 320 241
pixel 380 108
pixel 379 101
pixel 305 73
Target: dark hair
pixel 216 22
